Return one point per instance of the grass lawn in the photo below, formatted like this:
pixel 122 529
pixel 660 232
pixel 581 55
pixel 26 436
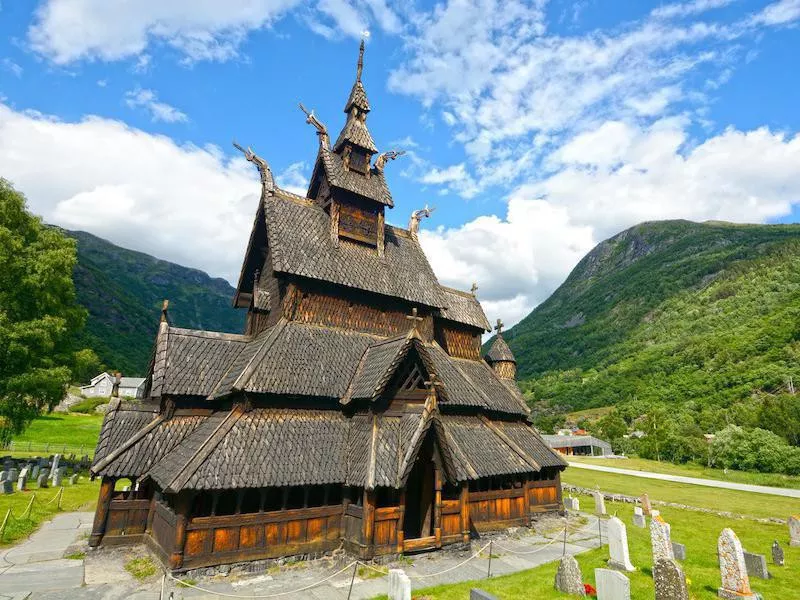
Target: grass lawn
pixel 697 531
pixel 82 496
pixel 74 430
pixel 743 503
pixel 692 470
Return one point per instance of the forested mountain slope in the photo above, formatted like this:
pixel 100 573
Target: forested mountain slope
pixel 669 311
pixel 123 291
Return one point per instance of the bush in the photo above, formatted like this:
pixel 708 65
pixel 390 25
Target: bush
pixel 754 449
pixel 88 405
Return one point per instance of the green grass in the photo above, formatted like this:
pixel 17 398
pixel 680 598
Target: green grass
pixel 60 428
pixel 697 531
pixel 141 568
pixel 693 470
pixel 88 405
pixel 743 503
pixel 82 496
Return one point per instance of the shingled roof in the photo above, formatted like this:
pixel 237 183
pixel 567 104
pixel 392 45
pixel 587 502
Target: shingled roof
pixel 499 351
pixel 376 368
pixel 463 307
pixel 300 244
pixel 355 131
pixel 120 423
pixel 373 187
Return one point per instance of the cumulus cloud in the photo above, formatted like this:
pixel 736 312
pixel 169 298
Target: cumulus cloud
pixel 190 205
pixel 159 111
pixel 294 178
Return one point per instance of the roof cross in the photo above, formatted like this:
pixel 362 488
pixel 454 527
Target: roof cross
pixel 474 288
pixel 499 326
pixel 164 307
pixel 433 382
pixel 414 318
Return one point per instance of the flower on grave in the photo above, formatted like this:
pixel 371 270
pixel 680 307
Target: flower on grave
pixel 688 581
pixel 588 588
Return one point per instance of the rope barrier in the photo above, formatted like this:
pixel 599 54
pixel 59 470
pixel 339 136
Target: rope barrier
pixel 302 589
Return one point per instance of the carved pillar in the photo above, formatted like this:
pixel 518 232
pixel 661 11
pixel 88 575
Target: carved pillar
pixel 101 513
pixel 381 232
pixel 335 223
pixel 437 507
pixel 401 536
pixel 465 511
pixel 368 524
pixel 182 507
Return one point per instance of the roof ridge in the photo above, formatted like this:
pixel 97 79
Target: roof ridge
pixel 464 293
pixel 292 197
pixel 509 442
pixel 247 372
pixel 202 333
pixel 123 448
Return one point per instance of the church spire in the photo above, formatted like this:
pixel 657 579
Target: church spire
pixel 358 96
pixel 355 137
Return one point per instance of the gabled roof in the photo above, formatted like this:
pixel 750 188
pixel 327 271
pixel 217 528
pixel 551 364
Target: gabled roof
pixel 463 307
pixel 355 131
pixel 357 98
pixel 298 234
pixel 373 187
pixel 499 351
pixel 377 365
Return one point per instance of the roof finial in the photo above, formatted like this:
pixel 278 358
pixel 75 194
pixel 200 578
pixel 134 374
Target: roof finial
pixel 385 157
pixel 360 66
pixel 312 119
pixel 499 326
pixel 415 319
pixel 267 182
pixel 416 217
pixel 164 307
pixel 474 288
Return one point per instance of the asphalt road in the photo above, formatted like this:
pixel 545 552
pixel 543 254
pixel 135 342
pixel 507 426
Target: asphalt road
pixel 715 483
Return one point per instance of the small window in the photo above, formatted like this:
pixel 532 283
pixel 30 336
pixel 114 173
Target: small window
pixel 334 495
pixel 385 497
pixel 201 507
pixel 451 492
pixel 296 497
pixel 316 495
pixel 274 499
pixel 251 501
pixel 227 502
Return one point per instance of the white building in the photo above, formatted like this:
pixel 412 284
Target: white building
pixel 102 385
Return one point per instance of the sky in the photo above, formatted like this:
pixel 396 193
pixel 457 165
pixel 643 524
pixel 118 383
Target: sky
pixel 536 129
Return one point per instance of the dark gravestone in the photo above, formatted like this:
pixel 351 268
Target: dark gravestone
pixel 669 580
pixel 476 594
pixel 756 565
pixel 777 554
pixel 8 486
pixel 679 550
pixel 41 480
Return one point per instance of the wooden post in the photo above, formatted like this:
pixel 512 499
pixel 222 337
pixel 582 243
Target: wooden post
pixel 437 508
pixel 559 491
pixel 401 536
pixel 368 523
pixel 529 497
pixel 465 511
pixel 182 506
pixel 101 514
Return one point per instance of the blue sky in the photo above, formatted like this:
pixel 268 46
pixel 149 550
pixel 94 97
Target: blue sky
pixel 537 128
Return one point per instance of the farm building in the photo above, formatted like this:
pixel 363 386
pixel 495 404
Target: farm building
pixel 579 445
pixel 355 410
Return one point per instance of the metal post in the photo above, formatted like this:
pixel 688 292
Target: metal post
pixel 489 571
pixel 352 580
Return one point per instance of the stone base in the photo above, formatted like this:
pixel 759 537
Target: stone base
pixel 731 595
pixel 794 543
pixel 618 566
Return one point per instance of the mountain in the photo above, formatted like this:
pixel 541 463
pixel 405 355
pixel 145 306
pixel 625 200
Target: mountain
pixel 669 311
pixel 123 291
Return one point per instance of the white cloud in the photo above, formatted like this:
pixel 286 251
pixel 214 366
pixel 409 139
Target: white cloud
pixel 69 30
pixel 190 205
pixel 294 178
pixel 605 180
pixel 778 13
pixel 9 65
pixel 455 177
pixel 685 9
pixel 159 111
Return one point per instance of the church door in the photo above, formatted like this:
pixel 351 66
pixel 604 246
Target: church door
pixel 420 500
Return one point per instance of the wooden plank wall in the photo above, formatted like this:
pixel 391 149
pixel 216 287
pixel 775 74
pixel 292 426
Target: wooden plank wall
pixel 234 538
pixel 163 527
pixel 460 343
pixel 498 508
pixel 127 517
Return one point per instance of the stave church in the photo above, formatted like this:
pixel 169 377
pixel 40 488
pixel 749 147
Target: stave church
pixel 354 412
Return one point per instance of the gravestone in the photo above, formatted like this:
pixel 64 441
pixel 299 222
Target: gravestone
pixel 669 580
pixel 571 503
pixel 756 565
pixel 56 460
pixel 599 503
pixel 647 508
pixel 45 472
pixel 35 471
pixel 777 554
pixel 655 513
pixel 57 478
pixel 618 546
pixel 794 531
pixel 679 551
pixel 12 475
pixel 73 480
pixel 23 479
pixel 8 486
pixel 41 481
pixel 638 517
pixel 660 539
pixel 612 585
pixel 476 594
pixel 568 576
pixel 733 571
pixel 399 585
pixel 3 475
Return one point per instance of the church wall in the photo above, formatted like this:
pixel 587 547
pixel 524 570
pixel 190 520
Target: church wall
pixel 458 341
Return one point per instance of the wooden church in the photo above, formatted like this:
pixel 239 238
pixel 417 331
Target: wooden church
pixel 354 412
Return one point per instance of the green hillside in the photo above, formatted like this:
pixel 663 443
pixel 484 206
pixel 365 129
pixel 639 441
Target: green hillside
pixel 669 312
pixel 123 291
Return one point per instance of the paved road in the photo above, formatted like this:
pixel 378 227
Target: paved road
pixel 728 485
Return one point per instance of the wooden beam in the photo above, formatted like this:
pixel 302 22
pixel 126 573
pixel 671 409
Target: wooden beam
pixel 101 513
pixel 368 523
pixel 464 499
pixel 182 507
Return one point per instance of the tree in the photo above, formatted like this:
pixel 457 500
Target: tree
pixel 753 450
pixel 39 315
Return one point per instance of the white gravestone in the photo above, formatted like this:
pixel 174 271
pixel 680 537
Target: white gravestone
pixel 612 585
pixel 599 503
pixel 638 517
pixel 23 479
pixel 660 539
pixel 733 571
pixel 399 585
pixel 618 546
pixel 54 468
pixel 794 531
